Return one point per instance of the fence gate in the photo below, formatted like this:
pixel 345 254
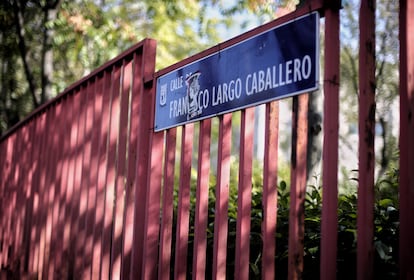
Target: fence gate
pixel 90 189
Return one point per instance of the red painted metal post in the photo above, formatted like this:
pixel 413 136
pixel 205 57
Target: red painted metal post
pixel 167 206
pixel 24 187
pixel 10 198
pixel 32 205
pixel 39 183
pixel 298 186
pixel 3 166
pixel 270 165
pixel 16 198
pixel 93 127
pixel 102 106
pixel 71 158
pixel 18 228
pixel 244 196
pixel 79 122
pixel 110 173
pixel 116 255
pixel 132 159
pixel 7 163
pixel 44 190
pixel 59 262
pixel 201 211
pixel 406 139
pixel 38 260
pixel 222 195
pixel 152 215
pixel 183 209
pixel 153 185
pixel 85 184
pixel 143 156
pixel 35 234
pixel 16 220
pixel 50 188
pixel 57 178
pixel 365 219
pixel 330 145
pixel 29 197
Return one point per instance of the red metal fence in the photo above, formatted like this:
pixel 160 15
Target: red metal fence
pixel 87 187
pixel 71 174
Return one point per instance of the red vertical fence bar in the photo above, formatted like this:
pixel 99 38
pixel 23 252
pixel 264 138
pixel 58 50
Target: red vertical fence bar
pixel 117 236
pixel 8 197
pixel 116 254
pixel 298 186
pixel 222 194
pixel 35 195
pixel 59 262
pixel 50 187
pixel 167 206
pixel 94 127
pixel 14 197
pixel 201 211
pixel 79 123
pixel 38 257
pixel 153 194
pixel 88 119
pixel 3 164
pixel 329 221
pixel 42 194
pixel 365 219
pixel 56 203
pixel 11 199
pixel 6 161
pixel 104 94
pixel 406 139
pixel 16 217
pixel 5 196
pixel 20 195
pixel 143 153
pixel 136 90
pixel 35 231
pixel 24 186
pixel 183 209
pixel 29 198
pixel 110 173
pixel 152 215
pixel 44 190
pixel 270 164
pixel 69 176
pixel 244 195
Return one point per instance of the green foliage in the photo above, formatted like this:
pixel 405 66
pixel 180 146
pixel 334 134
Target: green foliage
pixel 386 227
pixel 83 34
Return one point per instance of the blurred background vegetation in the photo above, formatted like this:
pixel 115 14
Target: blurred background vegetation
pixel 45 45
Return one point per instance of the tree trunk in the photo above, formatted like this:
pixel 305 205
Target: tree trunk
pixel 19 23
pixel 50 14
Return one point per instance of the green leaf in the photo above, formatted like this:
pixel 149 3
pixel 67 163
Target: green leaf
pixel 385 202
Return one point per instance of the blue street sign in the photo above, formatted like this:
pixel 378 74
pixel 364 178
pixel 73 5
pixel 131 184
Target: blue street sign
pixel 280 62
